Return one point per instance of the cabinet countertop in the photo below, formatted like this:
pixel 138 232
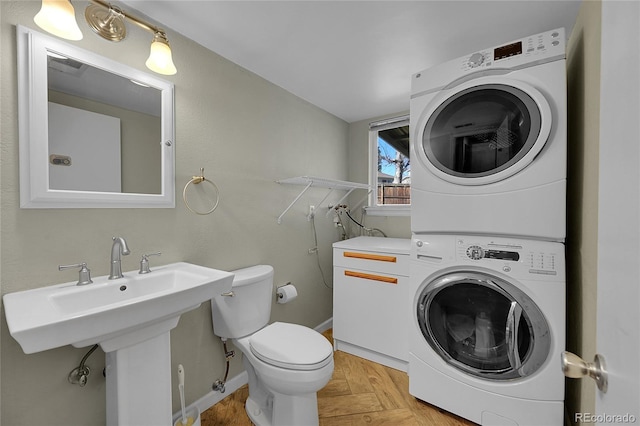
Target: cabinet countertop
pixel 376 244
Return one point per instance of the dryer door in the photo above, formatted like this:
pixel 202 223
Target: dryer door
pixel 483 325
pixel 484 131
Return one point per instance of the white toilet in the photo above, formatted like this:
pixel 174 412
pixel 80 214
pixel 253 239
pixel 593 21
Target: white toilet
pixel 286 363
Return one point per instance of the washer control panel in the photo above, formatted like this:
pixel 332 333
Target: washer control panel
pixel 507 255
pixel 518 258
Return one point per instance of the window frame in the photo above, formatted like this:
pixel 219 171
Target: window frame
pixel 373 208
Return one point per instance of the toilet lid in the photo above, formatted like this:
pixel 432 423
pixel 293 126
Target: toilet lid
pixel 291 346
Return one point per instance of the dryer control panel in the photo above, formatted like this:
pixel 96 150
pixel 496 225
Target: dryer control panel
pixel 510 55
pixel 513 55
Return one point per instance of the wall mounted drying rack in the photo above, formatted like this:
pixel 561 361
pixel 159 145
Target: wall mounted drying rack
pixel 312 181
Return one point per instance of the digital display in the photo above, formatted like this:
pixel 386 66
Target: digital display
pixel 508 50
pixel 502 255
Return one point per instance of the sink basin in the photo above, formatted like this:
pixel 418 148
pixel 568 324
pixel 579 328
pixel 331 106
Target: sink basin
pixel 113 313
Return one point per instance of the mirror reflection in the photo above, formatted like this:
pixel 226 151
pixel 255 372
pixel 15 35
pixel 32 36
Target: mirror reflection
pixel 104 130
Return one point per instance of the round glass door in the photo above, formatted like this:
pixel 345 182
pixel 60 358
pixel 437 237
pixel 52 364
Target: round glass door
pixel 483 325
pixel 482 130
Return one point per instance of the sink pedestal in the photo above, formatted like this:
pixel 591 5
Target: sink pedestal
pixel 139 383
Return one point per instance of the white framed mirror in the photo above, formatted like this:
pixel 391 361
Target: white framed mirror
pixel 93 133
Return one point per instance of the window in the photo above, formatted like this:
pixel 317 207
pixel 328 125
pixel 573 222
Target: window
pixel 389 167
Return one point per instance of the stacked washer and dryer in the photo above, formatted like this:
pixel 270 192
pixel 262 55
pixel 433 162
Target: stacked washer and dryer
pixel 487 277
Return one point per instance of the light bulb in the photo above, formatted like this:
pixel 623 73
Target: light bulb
pixel 58 18
pixel 160 60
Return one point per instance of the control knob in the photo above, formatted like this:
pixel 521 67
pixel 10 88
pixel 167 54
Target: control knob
pixel 475 60
pixel 475 252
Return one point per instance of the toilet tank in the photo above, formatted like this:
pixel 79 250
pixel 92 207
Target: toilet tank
pixel 249 309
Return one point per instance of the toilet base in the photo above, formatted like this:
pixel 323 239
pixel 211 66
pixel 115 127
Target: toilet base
pixel 257 415
pixel 270 408
pixel 286 410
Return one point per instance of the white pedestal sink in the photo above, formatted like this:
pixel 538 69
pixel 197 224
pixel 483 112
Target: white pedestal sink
pixel 130 318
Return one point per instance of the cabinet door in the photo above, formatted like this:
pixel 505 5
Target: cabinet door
pixel 369 310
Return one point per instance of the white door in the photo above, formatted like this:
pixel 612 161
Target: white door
pixel 618 296
pixel 84 149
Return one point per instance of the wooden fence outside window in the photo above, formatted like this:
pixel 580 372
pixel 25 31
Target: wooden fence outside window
pixel 394 193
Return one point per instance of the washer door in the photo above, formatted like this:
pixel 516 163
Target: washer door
pixel 483 325
pixel 485 130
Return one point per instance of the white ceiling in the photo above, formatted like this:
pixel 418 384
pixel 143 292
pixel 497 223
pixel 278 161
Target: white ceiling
pixel 353 59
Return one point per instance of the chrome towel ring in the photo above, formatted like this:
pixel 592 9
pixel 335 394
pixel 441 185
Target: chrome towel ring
pixel 196 180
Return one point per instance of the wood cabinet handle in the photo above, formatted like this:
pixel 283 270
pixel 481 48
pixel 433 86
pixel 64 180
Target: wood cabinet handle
pixel 373 277
pixel 368 256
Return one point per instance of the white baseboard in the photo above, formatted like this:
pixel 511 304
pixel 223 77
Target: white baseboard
pixel 235 383
pixel 324 326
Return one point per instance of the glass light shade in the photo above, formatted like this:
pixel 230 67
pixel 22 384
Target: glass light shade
pixel 160 57
pixel 58 18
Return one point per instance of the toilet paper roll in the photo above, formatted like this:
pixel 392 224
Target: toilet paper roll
pixel 286 293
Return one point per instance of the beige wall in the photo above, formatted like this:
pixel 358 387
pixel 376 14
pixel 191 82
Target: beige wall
pixel 583 73
pixel 246 133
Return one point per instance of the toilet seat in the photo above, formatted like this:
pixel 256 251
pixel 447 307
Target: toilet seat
pixel 291 346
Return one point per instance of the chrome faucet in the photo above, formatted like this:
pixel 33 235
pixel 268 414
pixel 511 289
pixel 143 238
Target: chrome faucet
pixel 119 247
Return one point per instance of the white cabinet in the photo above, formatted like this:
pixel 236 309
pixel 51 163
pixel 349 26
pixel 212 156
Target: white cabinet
pixel 370 299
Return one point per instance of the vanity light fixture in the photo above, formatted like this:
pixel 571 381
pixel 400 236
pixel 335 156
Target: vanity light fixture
pixel 58 18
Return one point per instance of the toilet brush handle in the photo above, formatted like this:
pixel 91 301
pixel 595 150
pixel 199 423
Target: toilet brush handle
pixel 180 375
pixel 181 390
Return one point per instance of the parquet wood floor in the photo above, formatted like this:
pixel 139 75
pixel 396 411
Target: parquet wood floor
pixel 361 392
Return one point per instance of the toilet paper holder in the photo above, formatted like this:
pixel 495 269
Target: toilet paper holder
pixel 281 296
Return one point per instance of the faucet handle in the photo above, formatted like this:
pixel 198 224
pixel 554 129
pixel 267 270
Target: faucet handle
pixel 144 263
pixel 84 274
